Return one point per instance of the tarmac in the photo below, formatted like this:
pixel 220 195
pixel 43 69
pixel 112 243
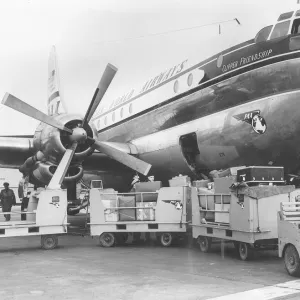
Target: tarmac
pixel 80 269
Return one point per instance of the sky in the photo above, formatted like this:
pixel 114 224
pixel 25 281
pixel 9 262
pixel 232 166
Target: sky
pixel 88 34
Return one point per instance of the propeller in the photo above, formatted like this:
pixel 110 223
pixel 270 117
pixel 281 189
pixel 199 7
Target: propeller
pixel 122 157
pixel 26 109
pixel 78 135
pixel 62 168
pixel 110 72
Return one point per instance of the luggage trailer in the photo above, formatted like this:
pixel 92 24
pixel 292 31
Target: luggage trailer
pixel 46 216
pixel 113 216
pixel 250 222
pixel 289 234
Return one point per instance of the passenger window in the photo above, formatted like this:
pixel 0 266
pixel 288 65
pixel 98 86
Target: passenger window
pixel 263 34
pixel 280 29
pixel 296 26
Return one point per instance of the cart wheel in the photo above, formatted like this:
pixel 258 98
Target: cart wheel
pixel 166 239
pixel 204 243
pixel 107 239
pixel 49 242
pixel 292 261
pixel 245 251
pixel 121 238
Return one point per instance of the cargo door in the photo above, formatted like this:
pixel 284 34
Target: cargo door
pixel 190 151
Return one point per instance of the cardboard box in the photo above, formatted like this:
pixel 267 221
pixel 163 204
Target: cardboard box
pixel 222 217
pixel 152 187
pixel 222 185
pixel 225 199
pixel 200 183
pixel 146 212
pixel 111 215
pixel 180 181
pixel 128 214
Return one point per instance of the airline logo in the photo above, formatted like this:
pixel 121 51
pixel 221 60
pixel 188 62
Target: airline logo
pixel 253 118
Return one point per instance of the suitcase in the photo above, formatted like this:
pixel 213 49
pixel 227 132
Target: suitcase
pixel 127 214
pixel 261 174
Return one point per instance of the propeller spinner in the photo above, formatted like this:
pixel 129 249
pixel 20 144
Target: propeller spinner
pixel 78 135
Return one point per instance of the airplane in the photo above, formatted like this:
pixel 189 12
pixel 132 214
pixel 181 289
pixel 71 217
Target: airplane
pixel 237 107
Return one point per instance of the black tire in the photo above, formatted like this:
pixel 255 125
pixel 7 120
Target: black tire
pixel 246 252
pixel 166 239
pixel 204 243
pixel 107 239
pixel 292 261
pixel 49 242
pixel 121 238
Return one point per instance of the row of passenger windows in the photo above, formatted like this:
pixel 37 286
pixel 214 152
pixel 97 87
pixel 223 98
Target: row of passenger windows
pixel 113 116
pixel 189 83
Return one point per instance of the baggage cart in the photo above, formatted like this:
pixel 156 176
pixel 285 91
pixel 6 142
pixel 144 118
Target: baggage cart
pixel 46 216
pixel 289 233
pixel 113 215
pixel 248 218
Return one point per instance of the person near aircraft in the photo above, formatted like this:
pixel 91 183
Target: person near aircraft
pixel 150 178
pixel 136 179
pixel 8 199
pixel 23 194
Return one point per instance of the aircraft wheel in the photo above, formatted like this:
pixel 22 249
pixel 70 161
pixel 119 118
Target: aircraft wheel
pixel 107 239
pixel 292 261
pixel 245 251
pixel 166 239
pixel 49 242
pixel 204 243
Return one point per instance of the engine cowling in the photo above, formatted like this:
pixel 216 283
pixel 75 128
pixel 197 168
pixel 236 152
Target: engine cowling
pixel 50 145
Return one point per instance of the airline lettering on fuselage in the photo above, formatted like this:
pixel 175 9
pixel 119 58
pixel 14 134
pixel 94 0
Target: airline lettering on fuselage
pixel 150 83
pixel 163 76
pixel 246 60
pixel 247 116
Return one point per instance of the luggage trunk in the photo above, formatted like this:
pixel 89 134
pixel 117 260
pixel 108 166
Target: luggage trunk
pixel 261 174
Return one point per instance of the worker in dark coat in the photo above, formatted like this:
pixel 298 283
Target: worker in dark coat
pixel 8 199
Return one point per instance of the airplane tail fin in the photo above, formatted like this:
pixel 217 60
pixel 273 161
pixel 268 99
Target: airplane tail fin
pixel 55 102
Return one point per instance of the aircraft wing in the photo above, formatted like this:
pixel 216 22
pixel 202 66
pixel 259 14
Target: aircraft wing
pixel 14 150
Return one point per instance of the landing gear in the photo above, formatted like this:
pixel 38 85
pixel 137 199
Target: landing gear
pixel 107 239
pixel 204 243
pixel 49 242
pixel 292 261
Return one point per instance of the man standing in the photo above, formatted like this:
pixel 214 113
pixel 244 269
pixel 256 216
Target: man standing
pixel 8 199
pixel 24 195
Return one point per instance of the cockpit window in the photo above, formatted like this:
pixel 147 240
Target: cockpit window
pixel 296 26
pixel 263 34
pixel 280 29
pixel 285 16
pixel 297 13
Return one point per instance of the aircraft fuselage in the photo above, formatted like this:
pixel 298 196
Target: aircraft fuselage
pixel 215 117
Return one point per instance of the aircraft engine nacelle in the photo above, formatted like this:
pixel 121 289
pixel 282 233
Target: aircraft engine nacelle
pixel 50 145
pixel 43 172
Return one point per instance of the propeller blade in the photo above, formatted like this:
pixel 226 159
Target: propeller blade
pixel 103 85
pixel 62 168
pixel 124 158
pixel 26 109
